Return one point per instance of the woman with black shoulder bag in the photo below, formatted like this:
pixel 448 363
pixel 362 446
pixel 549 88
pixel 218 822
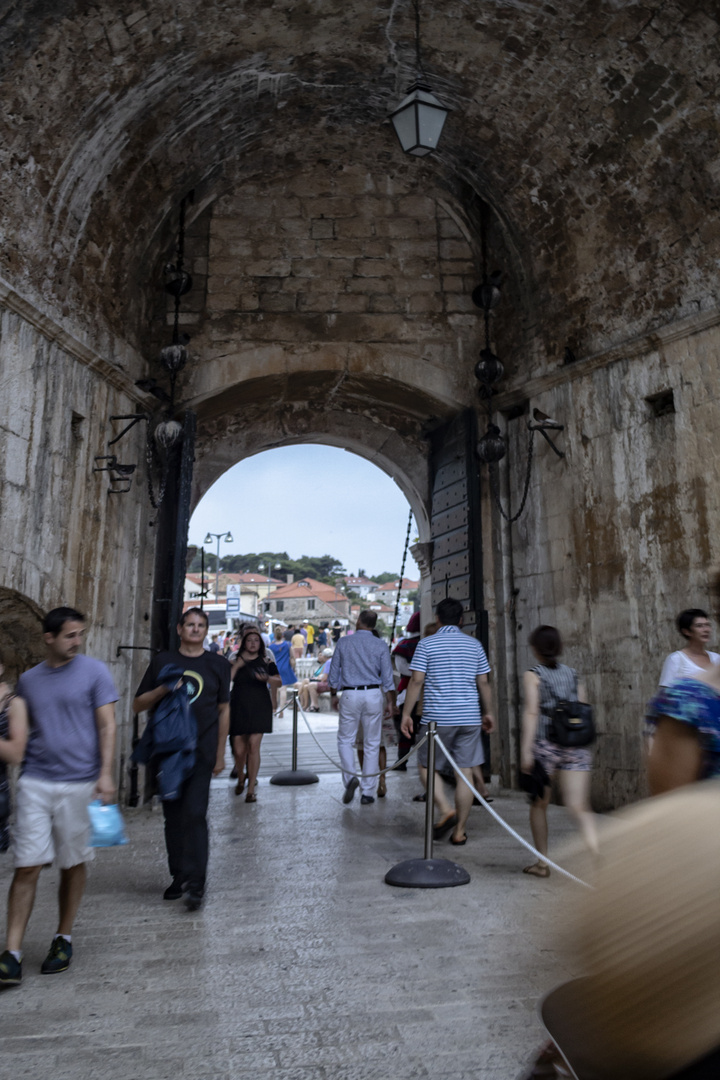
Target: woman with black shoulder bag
pixel 557 733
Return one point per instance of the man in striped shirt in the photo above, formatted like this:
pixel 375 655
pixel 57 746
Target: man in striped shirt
pixel 451 670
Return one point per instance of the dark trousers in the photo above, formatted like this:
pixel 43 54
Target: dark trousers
pixel 186 828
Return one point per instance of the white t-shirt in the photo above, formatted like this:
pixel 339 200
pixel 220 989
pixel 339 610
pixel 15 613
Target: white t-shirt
pixel 678 665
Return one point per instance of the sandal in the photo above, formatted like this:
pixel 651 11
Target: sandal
pixel 537 871
pixel 251 797
pixel 458 843
pixel 444 826
pixel 240 785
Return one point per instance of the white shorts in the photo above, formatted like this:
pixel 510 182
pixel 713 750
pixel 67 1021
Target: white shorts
pixel 52 822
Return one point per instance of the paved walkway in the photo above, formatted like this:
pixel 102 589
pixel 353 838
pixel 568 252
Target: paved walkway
pixel 303 965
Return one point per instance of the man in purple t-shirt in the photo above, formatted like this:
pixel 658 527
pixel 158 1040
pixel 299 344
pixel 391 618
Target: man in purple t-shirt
pixel 68 761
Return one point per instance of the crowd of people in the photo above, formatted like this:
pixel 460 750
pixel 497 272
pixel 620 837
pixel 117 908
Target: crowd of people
pixel 59 724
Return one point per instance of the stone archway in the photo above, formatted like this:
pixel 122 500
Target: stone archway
pixel 21 641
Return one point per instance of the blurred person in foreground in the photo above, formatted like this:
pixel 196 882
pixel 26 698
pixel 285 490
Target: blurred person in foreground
pixel 544 687
pixel 684 721
pixel 687 663
pixel 646 939
pixel 451 671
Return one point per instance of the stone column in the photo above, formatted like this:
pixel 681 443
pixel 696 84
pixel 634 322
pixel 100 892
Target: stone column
pixel 422 553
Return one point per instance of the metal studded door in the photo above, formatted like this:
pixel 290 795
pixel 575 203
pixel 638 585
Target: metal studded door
pixel 456 521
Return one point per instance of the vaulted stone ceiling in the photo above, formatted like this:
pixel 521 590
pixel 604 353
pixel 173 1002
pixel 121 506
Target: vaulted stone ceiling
pixel 589 126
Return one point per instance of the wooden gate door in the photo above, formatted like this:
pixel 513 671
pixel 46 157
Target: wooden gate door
pixel 457 562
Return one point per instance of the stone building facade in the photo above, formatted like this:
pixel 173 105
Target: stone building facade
pixel 307 600
pixel 331 302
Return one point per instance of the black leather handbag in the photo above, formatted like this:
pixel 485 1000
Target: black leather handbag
pixel 571 724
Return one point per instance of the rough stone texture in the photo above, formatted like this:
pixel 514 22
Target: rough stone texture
pixel 617 538
pixel 304 965
pixel 331 284
pixel 63 538
pixel 588 127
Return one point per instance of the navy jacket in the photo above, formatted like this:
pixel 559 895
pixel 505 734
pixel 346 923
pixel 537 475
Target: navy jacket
pixel 170 737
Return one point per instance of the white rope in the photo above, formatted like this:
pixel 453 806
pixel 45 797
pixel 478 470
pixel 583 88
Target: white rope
pixel 525 844
pixel 360 776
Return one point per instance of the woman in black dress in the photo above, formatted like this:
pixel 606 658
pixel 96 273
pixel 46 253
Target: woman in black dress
pixel 250 707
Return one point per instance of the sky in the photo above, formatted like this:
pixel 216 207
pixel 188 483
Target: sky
pixel 310 500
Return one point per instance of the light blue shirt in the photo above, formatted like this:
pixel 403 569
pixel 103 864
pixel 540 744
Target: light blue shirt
pixel 451 662
pixel 361 660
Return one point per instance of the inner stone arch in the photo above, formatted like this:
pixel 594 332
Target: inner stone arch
pixel 21 641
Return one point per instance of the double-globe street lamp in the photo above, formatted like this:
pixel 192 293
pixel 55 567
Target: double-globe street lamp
pixel 227 537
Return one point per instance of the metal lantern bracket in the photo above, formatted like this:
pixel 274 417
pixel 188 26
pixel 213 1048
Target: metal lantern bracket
pixel 134 419
pixel 120 474
pixel 542 428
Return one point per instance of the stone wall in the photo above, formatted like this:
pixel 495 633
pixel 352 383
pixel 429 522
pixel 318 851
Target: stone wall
pixel 63 538
pixel 616 538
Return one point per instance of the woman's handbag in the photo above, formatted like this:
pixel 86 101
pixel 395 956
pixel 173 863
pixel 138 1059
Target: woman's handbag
pixel 571 724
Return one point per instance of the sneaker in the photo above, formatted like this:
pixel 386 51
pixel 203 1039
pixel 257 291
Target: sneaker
pixel 58 959
pixel 10 970
pixel 174 890
pixel 365 800
pixel 350 789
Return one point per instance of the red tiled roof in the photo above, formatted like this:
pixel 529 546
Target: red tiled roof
pixel 235 579
pixel 308 587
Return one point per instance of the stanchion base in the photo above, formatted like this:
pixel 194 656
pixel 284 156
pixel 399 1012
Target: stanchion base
pixel 427 874
pixel 294 778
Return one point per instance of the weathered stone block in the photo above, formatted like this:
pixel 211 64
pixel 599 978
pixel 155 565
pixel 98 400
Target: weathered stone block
pixel 453 249
pixel 322 228
pixel 371 268
pixel 268 268
pixel 282 302
pixel 353 302
pixel 354 227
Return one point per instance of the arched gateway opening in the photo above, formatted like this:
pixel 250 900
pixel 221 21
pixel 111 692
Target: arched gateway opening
pixel 331 300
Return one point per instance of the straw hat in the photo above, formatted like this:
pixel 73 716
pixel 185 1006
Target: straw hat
pixel 648 940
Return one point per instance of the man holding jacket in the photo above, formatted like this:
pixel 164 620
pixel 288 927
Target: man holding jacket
pixel 206 677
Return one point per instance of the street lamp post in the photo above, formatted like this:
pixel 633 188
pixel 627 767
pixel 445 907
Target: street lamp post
pixel 227 537
pixel 262 567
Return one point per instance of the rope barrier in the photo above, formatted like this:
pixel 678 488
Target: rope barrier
pixel 360 776
pixel 508 828
pixel 461 775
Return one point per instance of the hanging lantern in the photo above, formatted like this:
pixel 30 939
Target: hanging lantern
pixel 486 296
pixel 489 368
pixel 418 121
pixel 167 434
pixel 491 447
pixel 176 281
pixel 174 358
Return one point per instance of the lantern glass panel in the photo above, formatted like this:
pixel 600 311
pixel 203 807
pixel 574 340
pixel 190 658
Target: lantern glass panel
pixel 405 125
pixel 430 123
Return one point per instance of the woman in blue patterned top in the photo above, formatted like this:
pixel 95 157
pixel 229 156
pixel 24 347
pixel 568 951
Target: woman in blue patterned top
pixel 685 721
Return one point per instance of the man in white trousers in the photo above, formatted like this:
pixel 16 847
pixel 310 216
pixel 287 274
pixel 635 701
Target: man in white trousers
pixel 361 669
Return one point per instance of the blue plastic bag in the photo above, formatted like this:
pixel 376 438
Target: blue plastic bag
pixel 108 828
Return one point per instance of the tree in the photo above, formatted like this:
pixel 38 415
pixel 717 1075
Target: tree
pixel 382 579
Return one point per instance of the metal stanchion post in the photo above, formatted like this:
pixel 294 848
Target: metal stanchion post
pixel 428 873
pixel 294 777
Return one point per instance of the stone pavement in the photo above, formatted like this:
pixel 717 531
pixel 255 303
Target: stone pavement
pixel 303 964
